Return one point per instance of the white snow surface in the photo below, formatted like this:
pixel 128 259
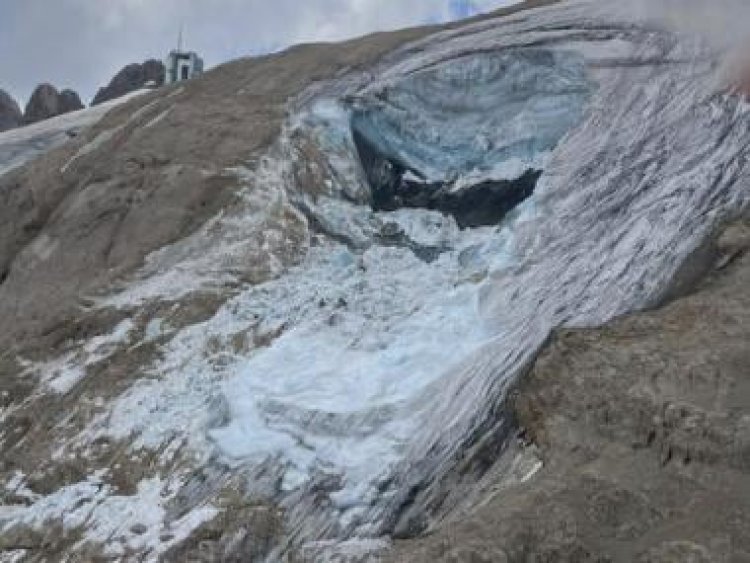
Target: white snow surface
pixel 122 524
pixel 23 144
pixel 62 374
pixel 379 360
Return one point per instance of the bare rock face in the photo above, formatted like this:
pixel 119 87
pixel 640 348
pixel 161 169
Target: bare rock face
pixel 69 100
pixel 43 104
pixel 10 113
pixel 216 348
pixel 47 102
pixel 131 78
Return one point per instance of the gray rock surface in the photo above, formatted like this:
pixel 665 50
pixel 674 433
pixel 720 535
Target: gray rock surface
pixel 131 78
pixel 46 102
pixel 10 113
pixel 69 101
pixel 23 144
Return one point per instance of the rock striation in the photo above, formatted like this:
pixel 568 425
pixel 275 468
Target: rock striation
pixel 10 113
pixel 131 78
pixel 47 102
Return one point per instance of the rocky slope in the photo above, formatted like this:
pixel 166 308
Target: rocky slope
pixel 275 327
pixel 10 113
pixel 131 78
pixel 47 102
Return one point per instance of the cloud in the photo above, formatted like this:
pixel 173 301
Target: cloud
pixel 722 23
pixel 82 43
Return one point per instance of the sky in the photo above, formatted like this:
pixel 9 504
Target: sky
pixel 81 44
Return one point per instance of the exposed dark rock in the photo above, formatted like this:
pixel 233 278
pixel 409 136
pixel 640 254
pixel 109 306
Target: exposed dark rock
pixel 10 113
pixel 70 101
pixel 130 79
pixel 485 203
pixel 241 532
pixel 47 102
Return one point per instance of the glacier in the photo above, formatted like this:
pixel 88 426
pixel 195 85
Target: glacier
pixel 471 115
pixel 349 387
pixel 21 145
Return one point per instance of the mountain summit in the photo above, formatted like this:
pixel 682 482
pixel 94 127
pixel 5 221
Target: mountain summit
pixel 131 78
pixel 10 114
pixel 47 102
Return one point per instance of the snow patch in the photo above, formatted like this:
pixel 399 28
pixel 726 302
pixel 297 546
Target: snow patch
pixel 118 523
pixel 18 146
pixel 158 119
pixel 62 374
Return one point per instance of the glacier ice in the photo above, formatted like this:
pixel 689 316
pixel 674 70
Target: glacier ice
pixel 21 145
pixel 468 136
pixel 413 370
pixel 476 115
pixel 380 325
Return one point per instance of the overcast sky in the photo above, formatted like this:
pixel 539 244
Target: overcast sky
pixel 81 44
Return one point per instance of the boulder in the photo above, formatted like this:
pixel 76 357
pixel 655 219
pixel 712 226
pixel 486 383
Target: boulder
pixel 10 113
pixel 47 102
pixel 132 77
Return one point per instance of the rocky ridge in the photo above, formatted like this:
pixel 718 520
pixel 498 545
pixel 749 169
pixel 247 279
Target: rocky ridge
pixel 47 102
pixel 170 310
pixel 131 78
pixel 10 114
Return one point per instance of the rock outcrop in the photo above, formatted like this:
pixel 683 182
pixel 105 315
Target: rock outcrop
pixel 10 113
pixel 131 78
pixel 47 102
pixel 69 100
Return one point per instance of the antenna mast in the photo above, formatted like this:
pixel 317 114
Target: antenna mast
pixel 179 38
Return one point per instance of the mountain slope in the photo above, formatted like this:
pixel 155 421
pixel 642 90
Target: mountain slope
pixel 642 426
pixel 257 316
pixel 129 79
